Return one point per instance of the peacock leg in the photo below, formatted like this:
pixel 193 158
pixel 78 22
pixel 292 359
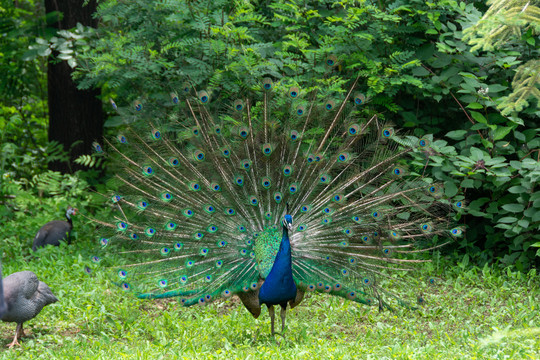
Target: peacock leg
pixel 272 317
pixel 283 315
pixel 15 342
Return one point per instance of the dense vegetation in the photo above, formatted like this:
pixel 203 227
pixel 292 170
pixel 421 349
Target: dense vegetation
pixel 428 67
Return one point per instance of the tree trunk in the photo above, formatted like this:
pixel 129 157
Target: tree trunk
pixel 75 116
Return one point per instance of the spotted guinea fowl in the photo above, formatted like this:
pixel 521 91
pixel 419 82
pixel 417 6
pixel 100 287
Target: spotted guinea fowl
pixel 24 296
pixel 54 231
pixel 281 192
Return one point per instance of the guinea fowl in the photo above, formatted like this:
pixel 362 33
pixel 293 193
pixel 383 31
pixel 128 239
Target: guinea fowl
pixel 24 296
pixel 52 232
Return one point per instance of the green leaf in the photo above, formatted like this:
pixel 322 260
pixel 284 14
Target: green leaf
pixel 475 105
pixel 450 188
pixel 456 134
pixel 517 189
pixel 515 208
pixel 478 117
pixel 501 131
pixel 507 220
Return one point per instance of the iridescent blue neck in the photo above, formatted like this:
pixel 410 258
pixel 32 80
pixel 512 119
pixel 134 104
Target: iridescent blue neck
pixel 279 286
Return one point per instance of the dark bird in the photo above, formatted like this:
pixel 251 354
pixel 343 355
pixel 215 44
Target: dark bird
pixel 24 296
pixel 54 231
pixel 278 193
pixel 3 306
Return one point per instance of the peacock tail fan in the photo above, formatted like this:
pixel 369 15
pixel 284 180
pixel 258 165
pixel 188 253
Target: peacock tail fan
pixel 205 184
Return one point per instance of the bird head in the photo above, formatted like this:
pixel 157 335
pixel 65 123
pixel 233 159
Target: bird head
pixel 71 211
pixel 287 221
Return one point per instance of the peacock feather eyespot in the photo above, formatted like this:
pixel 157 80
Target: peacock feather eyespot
pixel 174 98
pixel 344 272
pixel 173 161
pixel 426 228
pixel 147 170
pixel 377 215
pixel 268 215
pixel 156 135
pixel 337 287
pixel 431 281
pixel 318 157
pixel 348 232
pixel 163 283
pixel 356 219
pixel 178 246
pixel 134 236
pixel 327 288
pixel 435 190
pixel 243 252
pixel 198 235
pixel 203 251
pixel 267 149
pixel 183 279
pixel 116 198
pixel 293 188
pixel 198 155
pixel 423 143
pixel 320 285
pixel 278 197
pixel 103 241
pixel 352 261
pixel 122 274
pixel 366 281
pixel 188 213
pixel 311 287
pixel 239 180
pixel 351 295
pixel 149 231
pixel 287 170
pixel 326 221
pixel 165 251
pixel 215 187
pixel 252 254
pixel 294 135
pixel 203 97
pixel 230 211
pixel 301 227
pixel 121 226
pixel 338 198
pixel 331 60
pixel 305 208
pixel 97 147
pixel 267 83
pixel 137 105
pixel 190 263
pixel 226 293
pixel 344 244
pixel 194 186
pixel 328 210
pixel 238 105
pixel 245 164
pixel 212 229
pixel 249 242
pixel 329 105
pixel 241 228
pixel 266 183
pixel 365 239
pixel 394 235
pixel 142 204
pixel 324 178
pixel 170 226
pixel 459 205
pixel 221 243
pixel 96 259
pixel 375 235
pixel 125 286
pixel 195 131
pixel 310 158
pixel 253 200
pixel 300 110
pixel 113 104
pixel 354 129
pixel 121 139
pixel 387 132
pixel 343 157
pixel 218 264
pixel 359 98
pixel 243 132
pixel 456 232
pixel 398 171
pixel 294 92
pixel 208 278
pixel 254 286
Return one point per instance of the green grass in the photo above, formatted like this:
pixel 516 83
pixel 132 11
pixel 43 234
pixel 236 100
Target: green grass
pixel 469 314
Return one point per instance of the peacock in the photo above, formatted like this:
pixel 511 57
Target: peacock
pixel 278 192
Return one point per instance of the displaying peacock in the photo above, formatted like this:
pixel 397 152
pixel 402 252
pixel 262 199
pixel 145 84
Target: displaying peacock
pixel 275 194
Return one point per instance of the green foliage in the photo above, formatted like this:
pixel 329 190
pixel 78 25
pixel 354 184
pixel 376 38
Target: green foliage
pixel 505 24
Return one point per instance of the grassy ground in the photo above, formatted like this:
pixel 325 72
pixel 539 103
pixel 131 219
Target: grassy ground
pixel 469 314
